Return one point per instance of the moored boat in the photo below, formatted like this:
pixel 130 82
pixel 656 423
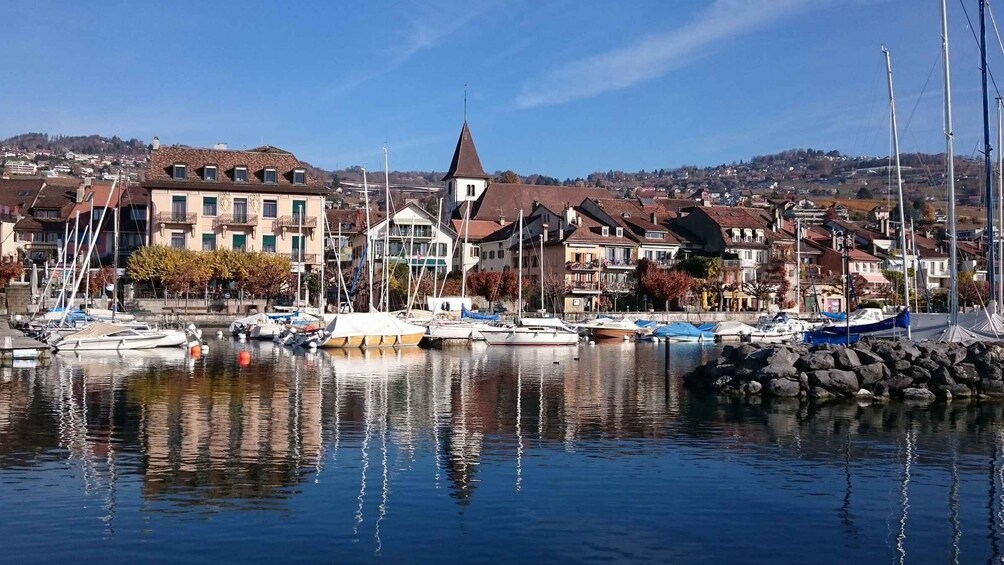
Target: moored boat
pixel 532 331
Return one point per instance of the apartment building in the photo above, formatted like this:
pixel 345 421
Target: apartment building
pixel 257 200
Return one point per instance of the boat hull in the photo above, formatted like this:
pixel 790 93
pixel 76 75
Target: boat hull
pixel 524 336
pixel 86 344
pixel 612 333
pixel 371 341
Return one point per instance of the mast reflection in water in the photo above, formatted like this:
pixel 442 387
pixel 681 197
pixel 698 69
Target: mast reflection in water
pixel 551 454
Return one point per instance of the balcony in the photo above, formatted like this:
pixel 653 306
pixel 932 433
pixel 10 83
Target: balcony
pixel 306 258
pixel 582 265
pixel 176 218
pixel 584 287
pixel 731 264
pixel 293 222
pixel 619 264
pixel 225 221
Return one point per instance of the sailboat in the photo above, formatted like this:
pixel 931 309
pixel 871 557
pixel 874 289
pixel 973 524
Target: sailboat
pixel 373 328
pixel 530 331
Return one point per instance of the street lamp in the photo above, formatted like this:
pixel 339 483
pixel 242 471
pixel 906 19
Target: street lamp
pixel 845 244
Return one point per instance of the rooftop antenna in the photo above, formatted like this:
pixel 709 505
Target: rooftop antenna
pixel 465 102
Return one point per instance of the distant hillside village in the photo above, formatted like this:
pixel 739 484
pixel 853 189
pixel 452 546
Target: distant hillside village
pixel 765 234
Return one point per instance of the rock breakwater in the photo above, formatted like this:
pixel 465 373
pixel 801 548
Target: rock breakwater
pixel 881 369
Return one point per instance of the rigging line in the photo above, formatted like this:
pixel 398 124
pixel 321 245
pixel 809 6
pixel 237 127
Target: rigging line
pixel 972 30
pixel 996 31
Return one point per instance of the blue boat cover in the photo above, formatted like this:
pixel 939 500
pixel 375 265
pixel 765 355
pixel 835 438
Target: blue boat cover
pixel 840 316
pixel 681 329
pixel 465 313
pixel 901 320
pixel 646 323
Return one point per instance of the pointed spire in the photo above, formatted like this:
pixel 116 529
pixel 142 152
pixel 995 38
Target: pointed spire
pixel 466 163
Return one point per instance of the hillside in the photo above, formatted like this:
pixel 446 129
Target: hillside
pixel 87 144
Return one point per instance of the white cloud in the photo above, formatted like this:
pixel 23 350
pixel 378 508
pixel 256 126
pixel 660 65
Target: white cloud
pixel 655 55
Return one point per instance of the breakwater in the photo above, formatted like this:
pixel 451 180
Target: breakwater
pixel 875 369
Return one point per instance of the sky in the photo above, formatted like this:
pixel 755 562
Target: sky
pixel 562 87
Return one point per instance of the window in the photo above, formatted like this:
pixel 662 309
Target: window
pixel 209 206
pixel 209 172
pixel 299 210
pixel 240 174
pixel 179 171
pixel 137 213
pixel 604 231
pixel 298 248
pixel 470 190
pixel 46 214
pixel 270 175
pixel 178 240
pixel 620 232
pixel 299 176
pixel 179 208
pixel 209 242
pixel 241 210
pixel 491 254
pixel 268 244
pixel 240 242
pixel 501 254
pixel 270 209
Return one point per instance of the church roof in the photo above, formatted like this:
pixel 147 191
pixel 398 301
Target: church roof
pixel 466 162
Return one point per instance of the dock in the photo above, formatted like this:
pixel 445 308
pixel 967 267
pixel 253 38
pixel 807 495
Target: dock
pixel 16 345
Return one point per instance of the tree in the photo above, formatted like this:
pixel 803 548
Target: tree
pixel 509 177
pixel 269 276
pixel 864 193
pixel 10 270
pixel 760 290
pixel 99 281
pixel 666 285
pixel 930 214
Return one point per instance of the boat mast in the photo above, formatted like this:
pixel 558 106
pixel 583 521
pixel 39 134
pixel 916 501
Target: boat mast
pixel 899 184
pixel 519 291
pixel 463 250
pixel 369 240
pixel 987 149
pixel 1000 203
pixel 542 307
pixel 90 250
pixel 953 265
pixel 323 299
pixel 115 251
pixel 798 265
pixel 385 291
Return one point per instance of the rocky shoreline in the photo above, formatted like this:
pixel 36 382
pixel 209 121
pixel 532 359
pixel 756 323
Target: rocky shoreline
pixel 875 369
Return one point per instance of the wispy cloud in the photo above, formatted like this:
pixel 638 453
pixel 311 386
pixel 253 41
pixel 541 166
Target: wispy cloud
pixel 655 55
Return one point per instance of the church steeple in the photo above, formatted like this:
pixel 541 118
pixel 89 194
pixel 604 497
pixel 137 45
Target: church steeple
pixel 466 181
pixel 466 164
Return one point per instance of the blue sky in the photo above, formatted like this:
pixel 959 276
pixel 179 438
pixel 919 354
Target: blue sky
pixel 562 87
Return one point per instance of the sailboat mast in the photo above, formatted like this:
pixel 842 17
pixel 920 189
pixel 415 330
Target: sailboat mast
pixel 386 233
pixel 115 251
pixel 542 307
pixel 987 149
pixel 899 185
pixel 953 264
pixel 369 240
pixel 519 268
pixel 322 300
pixel 1000 203
pixel 463 250
pixel 798 265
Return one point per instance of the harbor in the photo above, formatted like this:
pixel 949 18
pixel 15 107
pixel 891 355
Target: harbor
pixel 355 453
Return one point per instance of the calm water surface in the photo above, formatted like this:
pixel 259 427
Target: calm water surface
pixel 483 454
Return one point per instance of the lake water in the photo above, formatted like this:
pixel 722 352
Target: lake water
pixel 476 455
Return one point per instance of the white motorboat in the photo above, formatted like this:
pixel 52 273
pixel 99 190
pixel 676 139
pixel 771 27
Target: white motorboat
pixel 456 330
pixel 608 328
pixel 780 329
pixel 100 336
pixel 532 331
pixel 731 330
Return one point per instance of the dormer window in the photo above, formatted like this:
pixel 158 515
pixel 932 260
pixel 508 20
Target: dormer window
pixel 299 176
pixel 470 191
pixel 209 173
pixel 619 232
pixel 270 175
pixel 604 231
pixel 179 171
pixel 240 174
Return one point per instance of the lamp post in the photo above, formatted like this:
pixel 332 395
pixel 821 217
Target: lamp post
pixel 845 244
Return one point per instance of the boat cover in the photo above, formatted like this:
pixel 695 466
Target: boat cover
pixel 370 324
pixel 465 313
pixel 681 329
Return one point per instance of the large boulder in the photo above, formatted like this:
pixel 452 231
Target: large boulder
pixel 816 361
pixel 782 356
pixel 965 373
pixel 845 358
pixel 834 380
pixel 921 394
pixel 751 388
pixel 911 351
pixel 957 355
pixel 942 377
pixel 928 364
pixel 866 357
pixel 872 373
pixel 889 353
pixel 777 372
pixel 919 374
pixel 784 387
pixel 990 387
pixel 901 365
pixel 898 382
pixel 961 391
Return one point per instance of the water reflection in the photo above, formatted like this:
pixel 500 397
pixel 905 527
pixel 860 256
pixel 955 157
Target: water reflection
pixel 372 438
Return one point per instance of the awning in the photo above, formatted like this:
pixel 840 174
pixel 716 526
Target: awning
pixel 873 278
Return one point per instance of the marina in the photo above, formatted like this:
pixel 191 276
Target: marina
pixel 478 454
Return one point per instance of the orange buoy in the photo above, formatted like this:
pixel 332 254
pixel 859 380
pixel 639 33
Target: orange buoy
pixel 244 358
pixel 196 351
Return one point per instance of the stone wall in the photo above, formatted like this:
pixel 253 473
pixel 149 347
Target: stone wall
pixel 878 369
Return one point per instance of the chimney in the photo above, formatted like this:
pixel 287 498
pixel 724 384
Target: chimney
pixel 570 215
pixel 155 144
pixel 222 146
pixel 833 239
pixel 654 218
pixel 543 231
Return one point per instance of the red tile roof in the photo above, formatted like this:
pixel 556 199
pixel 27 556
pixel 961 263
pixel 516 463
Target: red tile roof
pixel 159 172
pixel 504 201
pixel 476 229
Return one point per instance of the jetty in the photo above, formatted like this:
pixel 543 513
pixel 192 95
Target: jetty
pixel 875 369
pixel 14 345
